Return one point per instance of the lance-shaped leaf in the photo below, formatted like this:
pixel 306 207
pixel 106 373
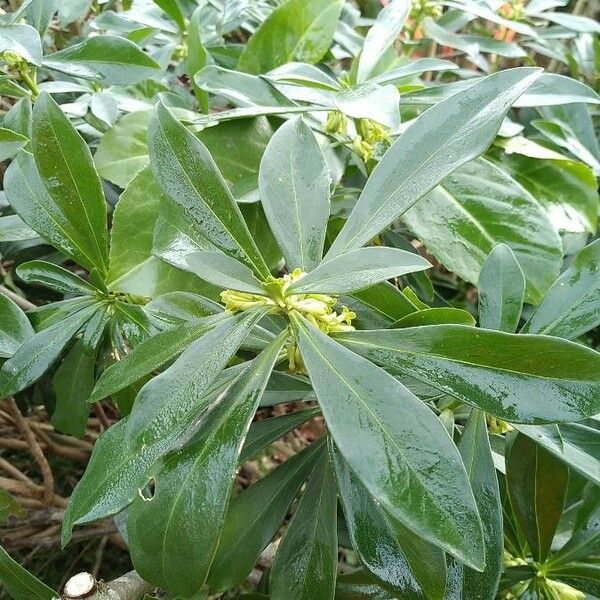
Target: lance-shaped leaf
pixel 359 269
pixel 255 515
pixel 296 30
pixel 55 277
pixel 150 355
pixel 571 307
pixel 474 447
pixel 20 583
pixel 464 218
pixel 115 472
pixel 22 39
pixel 15 328
pixel 537 485
pixel 65 165
pixel 10 143
pixel 447 135
pixel 305 565
pixel 223 271
pixel 501 290
pixel 415 67
pixel 381 36
pixel 376 423
pixel 112 59
pixel 171 398
pixel 501 373
pixel 188 175
pixel 584 542
pixel 399 558
pixel 174 535
pixel 14 229
pixel 294 191
pixel 36 355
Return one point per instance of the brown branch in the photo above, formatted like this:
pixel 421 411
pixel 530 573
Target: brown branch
pixel 35 449
pixel 18 300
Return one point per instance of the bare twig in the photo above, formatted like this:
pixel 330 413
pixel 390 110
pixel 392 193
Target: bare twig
pixel 18 300
pixel 35 449
pixel 128 587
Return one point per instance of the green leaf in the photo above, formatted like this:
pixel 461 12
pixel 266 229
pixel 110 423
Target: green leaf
pixel 123 151
pixel 10 143
pixel 192 489
pixel 197 56
pixel 435 316
pixel 186 380
pixel 375 421
pixel 254 516
pixel 501 290
pixel 133 267
pixel 295 31
pixel 381 36
pixel 36 355
pixel 361 585
pixel 264 433
pixel 584 542
pixel 462 220
pixel 150 356
pixel 20 583
pixel 111 59
pixel 294 191
pixel 188 175
pixel 15 328
pixel 173 11
pixel 537 485
pixel 474 447
pixel 501 373
pixel 447 135
pixel 391 551
pixel 565 189
pixel 66 168
pixel 571 307
pixel 38 13
pixel 223 271
pixel 72 383
pixel 55 277
pixel 22 39
pixel 115 472
pixel 9 507
pixel 13 229
pixel 305 565
pixel 414 67
pixel 359 269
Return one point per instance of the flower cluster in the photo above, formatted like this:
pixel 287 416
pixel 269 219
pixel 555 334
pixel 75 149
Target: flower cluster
pixel 316 308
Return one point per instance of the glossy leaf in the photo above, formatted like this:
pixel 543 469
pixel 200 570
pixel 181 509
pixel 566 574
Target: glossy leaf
pixel 474 447
pixel 429 150
pixel 192 488
pixel 14 229
pixel 359 269
pixel 54 277
pixel 185 381
pixel 254 516
pixel 571 306
pixel 22 39
pixel 361 401
pixel 65 166
pixel 584 542
pixel 305 565
pixel 149 356
pixel 462 220
pixel 415 67
pixel 537 484
pixel 133 267
pixel 20 583
pixel 296 30
pixel 111 59
pixel 15 328
pixel 381 36
pixel 391 551
pixel 189 177
pixel 36 355
pixel 197 56
pixel 500 373
pixel 116 472
pixel 72 383
pixel 294 190
pixel 501 290
pixel 435 316
pixel 10 143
